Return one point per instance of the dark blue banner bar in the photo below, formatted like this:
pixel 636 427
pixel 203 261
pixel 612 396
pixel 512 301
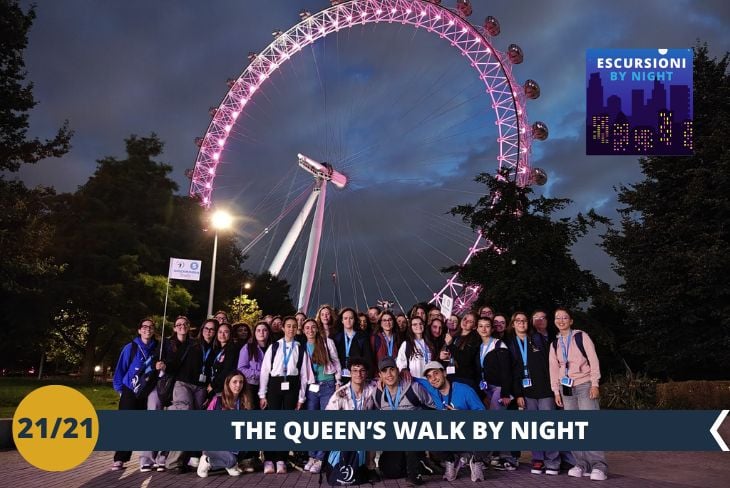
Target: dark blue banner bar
pixel 610 430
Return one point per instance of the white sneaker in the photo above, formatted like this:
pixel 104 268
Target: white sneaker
pixel 268 467
pixel 552 472
pixel 193 462
pixel 203 466
pixel 309 464
pixel 598 475
pixel 575 472
pixel 477 470
pixel 449 471
pixel 234 471
pixel 280 467
pixel 316 467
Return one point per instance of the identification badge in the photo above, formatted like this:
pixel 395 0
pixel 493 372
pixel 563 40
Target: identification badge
pixel 526 382
pixel 202 378
pixel 346 373
pixel 565 381
pixel 450 369
pixel 483 385
pixel 285 386
pixel 314 387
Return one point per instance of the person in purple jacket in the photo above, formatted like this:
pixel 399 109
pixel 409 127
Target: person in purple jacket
pixel 249 360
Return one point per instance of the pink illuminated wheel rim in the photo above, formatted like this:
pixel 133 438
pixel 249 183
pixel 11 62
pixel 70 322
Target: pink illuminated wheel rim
pixel 492 66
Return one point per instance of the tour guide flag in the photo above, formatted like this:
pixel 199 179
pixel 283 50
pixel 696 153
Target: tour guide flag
pixel 184 269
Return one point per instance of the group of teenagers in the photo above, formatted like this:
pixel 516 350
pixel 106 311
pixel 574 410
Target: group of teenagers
pixel 345 360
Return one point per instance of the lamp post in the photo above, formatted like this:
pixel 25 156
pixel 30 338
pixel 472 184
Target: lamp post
pixel 220 220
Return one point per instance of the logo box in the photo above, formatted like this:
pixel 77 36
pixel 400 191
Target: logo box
pixel 639 102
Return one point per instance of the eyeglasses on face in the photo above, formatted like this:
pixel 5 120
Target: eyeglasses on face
pixel 211 329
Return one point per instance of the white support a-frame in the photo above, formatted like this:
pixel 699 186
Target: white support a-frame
pixel 323 173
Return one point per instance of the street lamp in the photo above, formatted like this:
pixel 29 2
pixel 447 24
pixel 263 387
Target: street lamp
pixel 220 220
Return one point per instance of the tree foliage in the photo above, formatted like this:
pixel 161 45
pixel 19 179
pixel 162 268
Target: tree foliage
pixel 26 231
pixel 673 245
pixel 529 263
pixel 16 95
pixel 115 237
pixel 245 309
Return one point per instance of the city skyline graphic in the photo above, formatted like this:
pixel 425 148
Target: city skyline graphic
pixel 639 102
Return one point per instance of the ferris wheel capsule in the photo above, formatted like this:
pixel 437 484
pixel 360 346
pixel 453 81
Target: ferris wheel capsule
pixel 230 82
pixel 199 141
pixel 305 14
pixel 464 7
pixel 532 89
pixel 539 131
pixel 251 56
pixel 336 2
pixel 491 25
pixel 212 111
pixel 514 53
pixel 437 2
pixel 538 176
pixel 276 33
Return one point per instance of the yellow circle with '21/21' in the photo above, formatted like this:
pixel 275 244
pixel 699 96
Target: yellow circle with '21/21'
pixel 55 428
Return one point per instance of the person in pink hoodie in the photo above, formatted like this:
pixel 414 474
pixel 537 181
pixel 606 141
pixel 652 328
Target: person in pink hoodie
pixel 574 376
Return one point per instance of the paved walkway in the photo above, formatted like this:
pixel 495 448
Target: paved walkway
pixel 627 469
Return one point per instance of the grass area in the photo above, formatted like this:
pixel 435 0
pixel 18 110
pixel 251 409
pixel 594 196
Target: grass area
pixel 13 390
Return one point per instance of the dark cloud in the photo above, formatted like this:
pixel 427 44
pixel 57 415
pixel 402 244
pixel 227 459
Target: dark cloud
pixel 396 109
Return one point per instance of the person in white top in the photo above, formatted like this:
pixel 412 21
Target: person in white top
pixel 285 373
pixel 416 351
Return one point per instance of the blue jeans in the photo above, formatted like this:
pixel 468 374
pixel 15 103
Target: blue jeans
pixel 318 401
pixel 580 400
pixel 551 458
pixel 221 459
pixel 493 393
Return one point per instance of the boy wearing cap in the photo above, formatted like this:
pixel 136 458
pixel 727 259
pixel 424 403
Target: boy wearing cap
pixel 452 395
pixel 400 394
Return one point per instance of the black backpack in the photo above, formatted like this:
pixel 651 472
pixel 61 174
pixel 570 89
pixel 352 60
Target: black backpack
pixel 344 468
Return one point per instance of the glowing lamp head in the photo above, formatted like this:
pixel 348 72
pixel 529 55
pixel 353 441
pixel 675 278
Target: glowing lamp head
pixel 221 220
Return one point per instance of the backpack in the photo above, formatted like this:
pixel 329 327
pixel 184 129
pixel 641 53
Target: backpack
pixel 302 352
pixel 143 380
pixel 578 342
pixel 343 468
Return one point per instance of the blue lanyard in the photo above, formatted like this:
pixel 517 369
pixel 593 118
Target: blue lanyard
pixel 205 356
pixel 287 356
pixel 566 350
pixel 218 356
pixel 393 405
pixel 389 344
pixel 354 399
pixel 238 403
pixel 484 350
pixel 447 402
pixel 348 344
pixel 424 349
pixel 522 344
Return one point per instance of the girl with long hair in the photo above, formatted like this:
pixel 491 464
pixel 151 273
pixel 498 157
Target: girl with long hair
pixel 416 351
pixel 325 378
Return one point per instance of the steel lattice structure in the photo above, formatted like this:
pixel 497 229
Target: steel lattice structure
pixel 493 68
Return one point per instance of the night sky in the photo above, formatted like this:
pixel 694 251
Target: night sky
pixel 396 109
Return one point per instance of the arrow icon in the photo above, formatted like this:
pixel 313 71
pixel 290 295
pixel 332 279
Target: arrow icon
pixel 716 426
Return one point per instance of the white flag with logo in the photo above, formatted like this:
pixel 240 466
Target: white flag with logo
pixel 184 269
pixel 447 304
